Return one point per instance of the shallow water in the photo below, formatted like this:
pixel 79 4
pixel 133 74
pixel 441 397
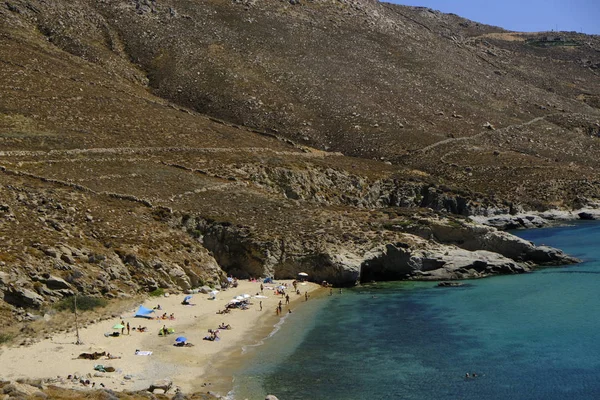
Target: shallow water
pixel 532 336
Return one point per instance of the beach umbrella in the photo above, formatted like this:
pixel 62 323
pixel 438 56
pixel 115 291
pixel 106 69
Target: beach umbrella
pixel 181 339
pixel 118 326
pixel 234 301
pixel 246 296
pixel 302 274
pixel 187 298
pixel 240 298
pixel 281 287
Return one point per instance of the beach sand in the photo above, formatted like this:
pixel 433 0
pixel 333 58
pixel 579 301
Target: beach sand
pixel 187 367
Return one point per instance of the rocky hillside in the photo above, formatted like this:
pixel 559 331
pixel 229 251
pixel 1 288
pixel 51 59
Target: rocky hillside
pixel 165 144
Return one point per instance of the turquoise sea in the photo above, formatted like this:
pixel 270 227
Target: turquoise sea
pixel 531 336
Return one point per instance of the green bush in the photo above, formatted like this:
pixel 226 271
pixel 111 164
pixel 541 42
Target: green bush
pixel 158 292
pixel 5 337
pixel 84 303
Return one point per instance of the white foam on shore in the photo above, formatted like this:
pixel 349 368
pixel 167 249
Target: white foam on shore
pixel 276 328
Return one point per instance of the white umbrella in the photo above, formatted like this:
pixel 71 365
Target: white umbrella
pixel 240 298
pixel 302 274
pixel 246 296
pixel 234 301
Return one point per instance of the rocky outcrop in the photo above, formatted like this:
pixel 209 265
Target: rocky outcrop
pixel 22 297
pixel 432 249
pixel 398 261
pixel 534 219
pixel 474 237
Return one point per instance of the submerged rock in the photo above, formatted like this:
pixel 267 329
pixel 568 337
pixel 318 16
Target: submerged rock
pixel 450 284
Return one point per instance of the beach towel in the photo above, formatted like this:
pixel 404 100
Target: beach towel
pixel 142 353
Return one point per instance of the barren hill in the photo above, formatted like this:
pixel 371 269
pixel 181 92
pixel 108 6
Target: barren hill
pixel 163 144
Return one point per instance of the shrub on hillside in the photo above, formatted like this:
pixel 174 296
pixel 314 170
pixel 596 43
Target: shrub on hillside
pixel 84 303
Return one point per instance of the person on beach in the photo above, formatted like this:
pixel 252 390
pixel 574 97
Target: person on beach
pixel 330 291
pixel 287 299
pixel 128 329
pixel 277 310
pixel 261 288
pixel 305 296
pixel 260 304
pixel 123 328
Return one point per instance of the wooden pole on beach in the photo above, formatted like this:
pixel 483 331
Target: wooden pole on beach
pixel 76 322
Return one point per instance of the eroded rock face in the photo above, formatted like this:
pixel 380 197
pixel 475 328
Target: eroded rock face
pixel 439 262
pixel 56 283
pixel 437 249
pixel 475 237
pixel 22 297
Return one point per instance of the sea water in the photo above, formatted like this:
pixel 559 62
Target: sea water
pixel 530 336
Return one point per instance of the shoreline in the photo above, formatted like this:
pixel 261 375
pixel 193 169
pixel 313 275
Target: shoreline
pixel 232 360
pixel 189 368
pixel 536 219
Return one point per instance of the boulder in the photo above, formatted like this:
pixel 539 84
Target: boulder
pixel 164 385
pixel 22 297
pixel 56 283
pixel 586 216
pixel 67 258
pixel 205 289
pixel 51 252
pixel 271 397
pixel 179 277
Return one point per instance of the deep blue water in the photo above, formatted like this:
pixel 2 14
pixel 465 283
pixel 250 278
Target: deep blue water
pixel 531 336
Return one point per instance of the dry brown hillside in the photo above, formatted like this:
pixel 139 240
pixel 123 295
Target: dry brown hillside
pixel 163 144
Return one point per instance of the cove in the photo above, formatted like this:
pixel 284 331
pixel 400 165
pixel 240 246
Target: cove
pixel 528 336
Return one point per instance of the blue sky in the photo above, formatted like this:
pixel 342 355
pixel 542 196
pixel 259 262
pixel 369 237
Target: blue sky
pixel 522 15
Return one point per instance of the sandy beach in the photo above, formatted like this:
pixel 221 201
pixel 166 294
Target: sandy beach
pixel 187 367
